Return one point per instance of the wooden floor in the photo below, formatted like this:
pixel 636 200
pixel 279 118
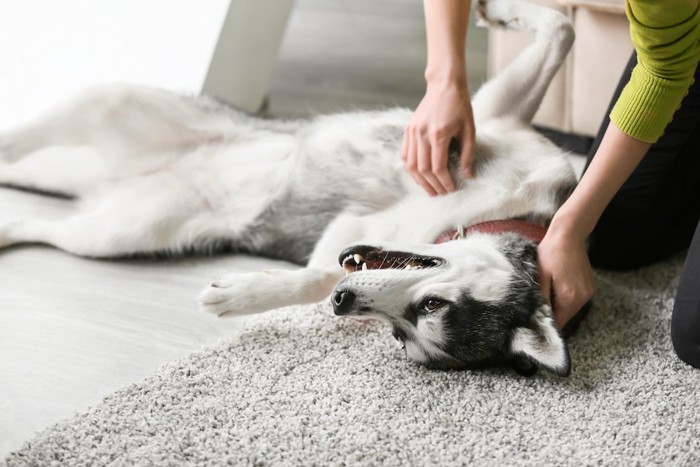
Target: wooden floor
pixel 74 330
pixel 345 55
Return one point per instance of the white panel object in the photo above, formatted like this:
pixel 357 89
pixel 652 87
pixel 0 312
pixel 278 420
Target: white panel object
pixel 246 52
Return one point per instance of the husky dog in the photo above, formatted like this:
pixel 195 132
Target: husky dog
pixel 150 172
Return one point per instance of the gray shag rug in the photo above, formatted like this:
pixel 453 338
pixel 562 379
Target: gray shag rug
pixel 301 387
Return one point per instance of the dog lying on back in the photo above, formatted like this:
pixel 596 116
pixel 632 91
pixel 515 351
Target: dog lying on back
pixel 150 172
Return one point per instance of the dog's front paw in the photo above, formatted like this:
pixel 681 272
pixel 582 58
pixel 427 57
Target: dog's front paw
pixel 236 295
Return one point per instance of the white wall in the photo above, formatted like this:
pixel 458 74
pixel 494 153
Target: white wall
pixel 52 48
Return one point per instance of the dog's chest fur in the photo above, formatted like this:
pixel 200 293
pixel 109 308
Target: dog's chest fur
pixel 350 164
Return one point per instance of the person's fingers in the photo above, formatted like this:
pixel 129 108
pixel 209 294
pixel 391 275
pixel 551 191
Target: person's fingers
pixel 565 274
pixel 565 308
pixel 568 302
pixel 404 145
pixel 562 309
pixel 425 171
pixel 546 288
pixel 545 285
pixel 411 157
pixel 412 163
pixel 426 186
pixel 466 158
pixel 409 154
pixel 439 156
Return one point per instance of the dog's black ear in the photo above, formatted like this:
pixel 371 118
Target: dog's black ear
pixel 541 343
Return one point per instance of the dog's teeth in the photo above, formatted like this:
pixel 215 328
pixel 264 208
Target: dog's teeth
pixel 348 265
pixel 357 258
pixel 364 266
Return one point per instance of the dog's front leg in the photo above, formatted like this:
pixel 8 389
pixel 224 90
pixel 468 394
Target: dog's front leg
pixel 245 294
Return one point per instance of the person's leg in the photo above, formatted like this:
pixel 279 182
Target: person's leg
pixel 655 212
pixel 685 323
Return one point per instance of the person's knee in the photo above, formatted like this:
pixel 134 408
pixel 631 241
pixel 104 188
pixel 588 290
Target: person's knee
pixel 616 243
pixel 685 330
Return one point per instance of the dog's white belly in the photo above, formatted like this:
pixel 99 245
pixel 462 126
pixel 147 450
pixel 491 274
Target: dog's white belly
pixel 236 181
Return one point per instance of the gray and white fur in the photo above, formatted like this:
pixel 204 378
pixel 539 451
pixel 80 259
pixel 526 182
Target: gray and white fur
pixel 150 172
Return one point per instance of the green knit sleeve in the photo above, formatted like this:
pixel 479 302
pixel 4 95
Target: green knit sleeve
pixel 666 36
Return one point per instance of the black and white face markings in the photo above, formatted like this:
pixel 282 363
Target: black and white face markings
pixel 464 304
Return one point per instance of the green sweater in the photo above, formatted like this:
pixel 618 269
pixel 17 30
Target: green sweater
pixel 666 36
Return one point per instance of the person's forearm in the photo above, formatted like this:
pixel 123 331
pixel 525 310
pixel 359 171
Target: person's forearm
pixel 445 112
pixel 616 158
pixel 446 29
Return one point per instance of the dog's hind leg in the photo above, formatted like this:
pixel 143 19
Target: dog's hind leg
pixel 121 121
pixel 518 90
pixel 101 235
pixel 106 134
pixel 63 171
pixel 244 294
pixel 132 220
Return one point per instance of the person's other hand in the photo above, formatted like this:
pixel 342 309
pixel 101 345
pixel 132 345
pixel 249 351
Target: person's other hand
pixel 564 268
pixel 444 113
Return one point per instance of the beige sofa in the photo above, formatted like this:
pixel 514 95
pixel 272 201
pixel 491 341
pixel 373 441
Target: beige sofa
pixel 580 93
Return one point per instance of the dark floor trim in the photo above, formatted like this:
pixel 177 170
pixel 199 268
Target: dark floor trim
pixel 568 141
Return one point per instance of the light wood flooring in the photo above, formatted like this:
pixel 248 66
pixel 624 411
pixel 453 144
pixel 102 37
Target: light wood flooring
pixel 73 330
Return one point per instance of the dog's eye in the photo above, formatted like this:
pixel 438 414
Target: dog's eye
pixel 432 304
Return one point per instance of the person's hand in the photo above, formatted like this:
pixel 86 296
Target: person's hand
pixel 565 270
pixel 444 113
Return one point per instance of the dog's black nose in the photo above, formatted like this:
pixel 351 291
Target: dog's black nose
pixel 342 301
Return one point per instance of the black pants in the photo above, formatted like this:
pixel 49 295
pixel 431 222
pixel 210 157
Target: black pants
pixel 656 214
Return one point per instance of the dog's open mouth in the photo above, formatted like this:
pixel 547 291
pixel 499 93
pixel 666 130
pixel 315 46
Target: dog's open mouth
pixel 363 258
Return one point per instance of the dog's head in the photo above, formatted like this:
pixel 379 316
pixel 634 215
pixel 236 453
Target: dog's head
pixel 462 304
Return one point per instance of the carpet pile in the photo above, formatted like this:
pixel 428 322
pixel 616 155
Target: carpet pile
pixel 301 387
